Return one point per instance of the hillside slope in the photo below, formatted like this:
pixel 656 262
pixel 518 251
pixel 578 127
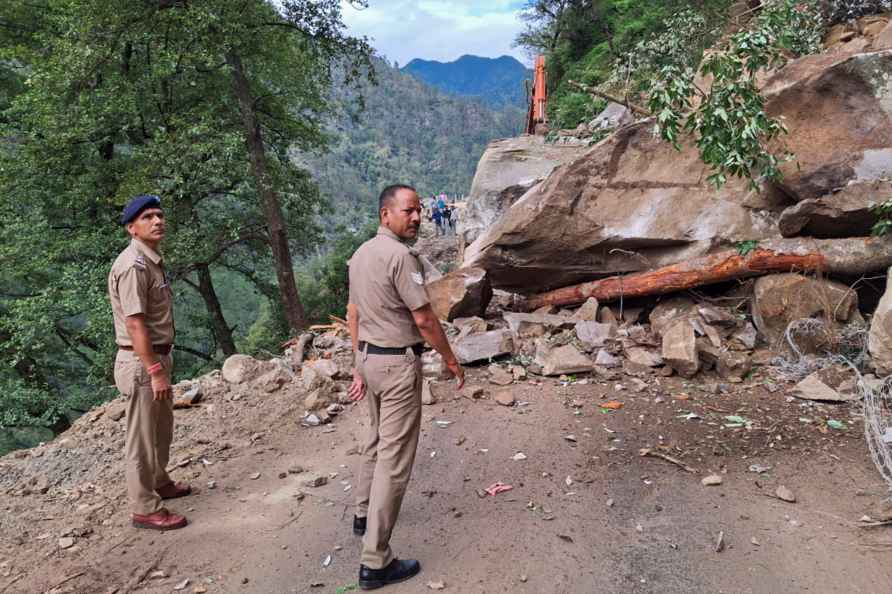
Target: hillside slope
pixel 496 81
pixel 408 132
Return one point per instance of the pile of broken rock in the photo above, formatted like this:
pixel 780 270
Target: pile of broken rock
pixel 676 336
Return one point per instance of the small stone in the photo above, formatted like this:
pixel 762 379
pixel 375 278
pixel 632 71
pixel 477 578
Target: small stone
pixel 316 480
pixel 295 469
pixel 785 494
pixel 283 475
pixel 436 585
pixel 158 574
pixel 477 393
pixel 519 456
pixel 713 480
pixel 244 580
pixel 610 503
pixel 504 397
pixel 500 376
pixel 212 484
pixel 255 476
pixel 199 590
pixel 66 542
pixel 182 585
pixel 755 542
pixel 523 578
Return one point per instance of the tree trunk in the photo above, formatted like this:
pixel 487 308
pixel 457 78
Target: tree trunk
pixel 222 331
pixel 849 257
pixel 269 198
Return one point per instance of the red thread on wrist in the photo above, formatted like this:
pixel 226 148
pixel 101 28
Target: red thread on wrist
pixel 156 368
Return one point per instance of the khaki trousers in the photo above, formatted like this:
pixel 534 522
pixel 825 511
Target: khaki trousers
pixel 149 433
pixel 393 393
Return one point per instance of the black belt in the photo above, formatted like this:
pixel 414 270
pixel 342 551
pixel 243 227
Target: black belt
pixel 158 349
pixel 374 349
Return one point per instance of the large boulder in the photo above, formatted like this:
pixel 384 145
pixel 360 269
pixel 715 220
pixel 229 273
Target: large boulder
pixel 483 346
pixel 613 116
pixel 560 360
pixel 847 213
pixel 880 338
pixel 780 299
pixel 238 369
pixel 630 202
pixel 526 325
pixel 633 202
pixel 507 169
pixel 680 348
pixel 837 110
pixel 462 293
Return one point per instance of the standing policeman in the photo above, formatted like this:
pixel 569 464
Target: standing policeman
pixel 142 304
pixel 390 317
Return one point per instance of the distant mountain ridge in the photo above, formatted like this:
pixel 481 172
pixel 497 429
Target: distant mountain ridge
pixel 496 81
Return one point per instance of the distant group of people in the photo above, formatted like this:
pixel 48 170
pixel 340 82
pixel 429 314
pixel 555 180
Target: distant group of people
pixel 443 213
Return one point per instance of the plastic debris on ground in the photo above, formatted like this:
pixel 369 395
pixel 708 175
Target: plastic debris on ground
pixel 496 488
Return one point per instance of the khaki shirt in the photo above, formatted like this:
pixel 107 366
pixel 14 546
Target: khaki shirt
pixel 386 286
pixel 137 284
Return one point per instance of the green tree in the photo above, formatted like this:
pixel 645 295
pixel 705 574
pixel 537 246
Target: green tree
pixel 204 102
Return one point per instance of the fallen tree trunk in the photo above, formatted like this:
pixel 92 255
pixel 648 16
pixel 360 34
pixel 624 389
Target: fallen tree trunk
pixel 849 257
pixel 598 93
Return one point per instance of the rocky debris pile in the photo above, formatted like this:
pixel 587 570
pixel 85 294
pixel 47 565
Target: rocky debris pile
pixel 212 411
pixel 796 327
pixel 633 206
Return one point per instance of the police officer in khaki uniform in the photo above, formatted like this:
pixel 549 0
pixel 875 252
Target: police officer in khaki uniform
pixel 390 318
pixel 142 304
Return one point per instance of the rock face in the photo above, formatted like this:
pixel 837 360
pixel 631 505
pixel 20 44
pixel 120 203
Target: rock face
pixel 846 213
pixel 461 293
pixel 507 169
pixel 779 299
pixel 837 110
pixel 631 191
pixel 880 340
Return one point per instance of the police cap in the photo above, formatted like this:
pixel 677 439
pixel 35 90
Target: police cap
pixel 137 205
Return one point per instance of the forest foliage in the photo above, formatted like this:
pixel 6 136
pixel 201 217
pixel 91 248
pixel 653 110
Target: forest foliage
pixel 104 99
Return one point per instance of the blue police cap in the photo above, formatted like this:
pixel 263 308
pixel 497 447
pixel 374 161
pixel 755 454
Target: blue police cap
pixel 137 205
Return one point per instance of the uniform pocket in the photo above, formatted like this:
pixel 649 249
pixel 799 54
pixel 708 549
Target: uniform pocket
pixel 130 373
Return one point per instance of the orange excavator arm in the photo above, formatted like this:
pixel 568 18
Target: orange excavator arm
pixel 538 97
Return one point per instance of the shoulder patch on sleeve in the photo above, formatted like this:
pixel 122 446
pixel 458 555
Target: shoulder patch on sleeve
pixel 140 262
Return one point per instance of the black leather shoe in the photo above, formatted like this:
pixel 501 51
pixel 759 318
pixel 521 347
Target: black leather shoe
pixel 358 526
pixel 398 571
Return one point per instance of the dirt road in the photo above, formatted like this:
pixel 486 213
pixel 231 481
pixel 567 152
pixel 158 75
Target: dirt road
pixel 587 513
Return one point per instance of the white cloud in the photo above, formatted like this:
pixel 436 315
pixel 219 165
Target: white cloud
pixel 437 29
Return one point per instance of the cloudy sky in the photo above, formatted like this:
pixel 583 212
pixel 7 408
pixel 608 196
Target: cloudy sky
pixel 438 29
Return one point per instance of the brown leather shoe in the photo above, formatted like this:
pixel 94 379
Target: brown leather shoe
pixel 174 490
pixel 160 520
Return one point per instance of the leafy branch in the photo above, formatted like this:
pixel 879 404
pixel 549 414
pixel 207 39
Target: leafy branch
pixel 728 121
